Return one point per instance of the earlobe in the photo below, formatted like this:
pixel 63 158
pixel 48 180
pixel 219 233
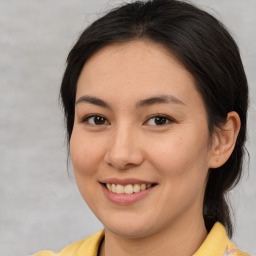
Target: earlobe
pixel 224 140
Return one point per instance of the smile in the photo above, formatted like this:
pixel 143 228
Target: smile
pixel 127 189
pixel 126 192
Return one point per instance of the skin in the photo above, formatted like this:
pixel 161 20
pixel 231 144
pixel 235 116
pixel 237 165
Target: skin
pixel 129 144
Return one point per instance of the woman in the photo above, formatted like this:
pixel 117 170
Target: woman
pixel 155 99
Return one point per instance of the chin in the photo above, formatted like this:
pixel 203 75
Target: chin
pixel 128 231
pixel 129 226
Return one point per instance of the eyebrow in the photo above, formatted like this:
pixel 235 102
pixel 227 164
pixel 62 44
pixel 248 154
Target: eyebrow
pixel 160 99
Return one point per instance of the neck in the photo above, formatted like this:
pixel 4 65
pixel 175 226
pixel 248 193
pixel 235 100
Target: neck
pixel 182 238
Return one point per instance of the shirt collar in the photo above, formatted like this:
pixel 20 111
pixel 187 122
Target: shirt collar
pixel 215 243
pixel 91 244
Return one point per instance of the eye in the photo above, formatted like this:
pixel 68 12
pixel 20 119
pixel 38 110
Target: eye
pixel 95 120
pixel 159 120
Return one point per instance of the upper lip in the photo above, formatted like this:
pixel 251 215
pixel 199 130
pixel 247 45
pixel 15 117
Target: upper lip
pixel 125 181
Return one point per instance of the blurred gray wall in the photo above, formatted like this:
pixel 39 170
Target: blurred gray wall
pixel 40 206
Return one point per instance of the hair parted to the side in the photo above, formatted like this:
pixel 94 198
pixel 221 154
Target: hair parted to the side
pixel 206 49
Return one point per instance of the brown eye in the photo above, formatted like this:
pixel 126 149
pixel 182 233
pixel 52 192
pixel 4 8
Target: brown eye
pixel 95 120
pixel 159 120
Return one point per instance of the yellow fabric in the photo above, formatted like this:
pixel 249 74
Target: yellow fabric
pixel 215 244
pixel 218 244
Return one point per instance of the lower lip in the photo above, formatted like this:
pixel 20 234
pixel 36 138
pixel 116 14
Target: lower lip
pixel 126 199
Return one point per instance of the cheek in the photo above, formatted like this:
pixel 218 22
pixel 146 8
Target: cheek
pixel 181 158
pixel 86 153
pixel 182 164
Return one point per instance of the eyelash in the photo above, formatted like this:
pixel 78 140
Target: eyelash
pixel 167 118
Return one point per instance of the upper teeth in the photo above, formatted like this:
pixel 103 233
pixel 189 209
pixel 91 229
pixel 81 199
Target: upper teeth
pixel 127 189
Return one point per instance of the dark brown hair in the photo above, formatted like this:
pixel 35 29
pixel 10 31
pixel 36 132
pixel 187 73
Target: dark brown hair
pixel 208 52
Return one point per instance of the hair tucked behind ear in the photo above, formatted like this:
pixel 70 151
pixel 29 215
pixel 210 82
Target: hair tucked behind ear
pixel 207 51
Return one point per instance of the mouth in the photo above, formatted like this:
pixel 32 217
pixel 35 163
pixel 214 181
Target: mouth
pixel 127 189
pixel 127 192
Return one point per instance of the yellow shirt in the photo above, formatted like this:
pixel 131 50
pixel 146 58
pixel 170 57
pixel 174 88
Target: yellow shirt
pixel 215 244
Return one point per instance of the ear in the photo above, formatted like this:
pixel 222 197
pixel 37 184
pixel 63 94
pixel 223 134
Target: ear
pixel 224 140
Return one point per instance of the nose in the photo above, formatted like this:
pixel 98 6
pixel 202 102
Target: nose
pixel 123 151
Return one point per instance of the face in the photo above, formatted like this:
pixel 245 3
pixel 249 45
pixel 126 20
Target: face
pixel 140 141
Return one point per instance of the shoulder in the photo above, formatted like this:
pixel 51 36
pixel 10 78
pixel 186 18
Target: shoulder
pixel 45 253
pixel 232 250
pixel 217 243
pixel 88 246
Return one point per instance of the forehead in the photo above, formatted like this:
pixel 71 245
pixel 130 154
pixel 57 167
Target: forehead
pixel 134 59
pixel 134 70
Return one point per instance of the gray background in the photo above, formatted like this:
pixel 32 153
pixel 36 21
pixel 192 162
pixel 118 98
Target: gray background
pixel 40 206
